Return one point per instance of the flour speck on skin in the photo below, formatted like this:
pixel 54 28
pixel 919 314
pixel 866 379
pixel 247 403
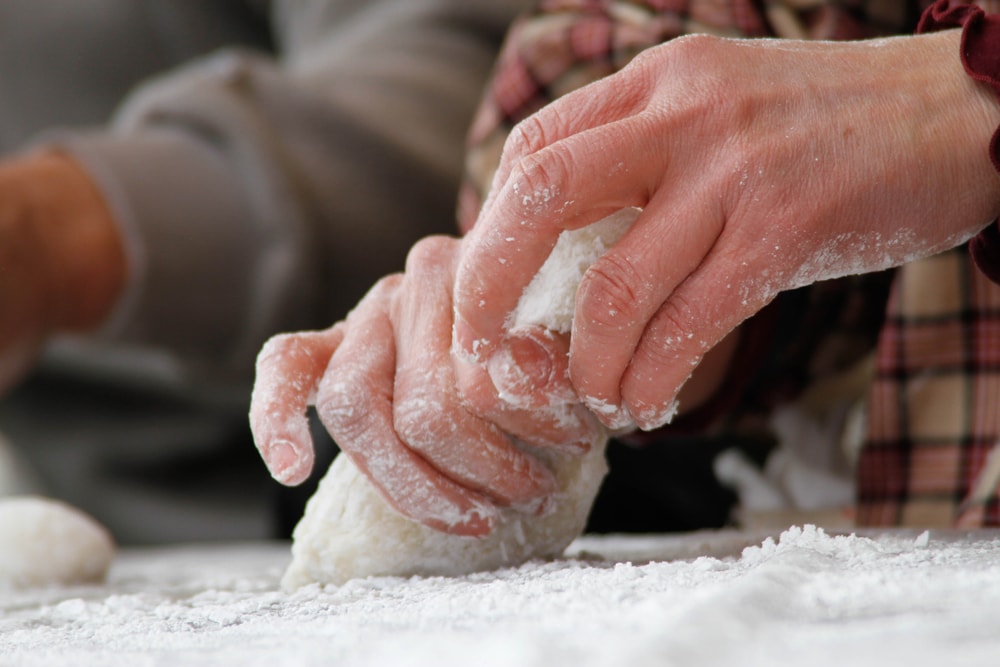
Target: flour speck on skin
pixel 350 531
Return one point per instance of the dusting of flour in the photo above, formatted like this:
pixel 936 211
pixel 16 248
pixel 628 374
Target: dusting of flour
pixel 349 531
pixel 804 599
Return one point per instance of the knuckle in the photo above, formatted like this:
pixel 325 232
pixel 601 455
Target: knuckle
pixel 428 251
pixel 671 337
pixel 609 295
pixel 382 292
pixel 695 47
pixel 477 395
pixel 386 285
pixel 426 413
pixel 344 405
pixel 423 421
pixel 276 349
pixel 676 314
pixel 680 57
pixel 539 179
pixel 536 132
pixel 527 137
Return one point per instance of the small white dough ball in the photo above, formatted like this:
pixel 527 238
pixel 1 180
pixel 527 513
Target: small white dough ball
pixel 45 542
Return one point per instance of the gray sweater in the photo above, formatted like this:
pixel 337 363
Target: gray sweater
pixel 267 162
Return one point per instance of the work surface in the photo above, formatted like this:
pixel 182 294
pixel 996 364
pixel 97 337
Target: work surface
pixel 807 598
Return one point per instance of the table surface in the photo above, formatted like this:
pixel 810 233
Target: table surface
pixel 719 598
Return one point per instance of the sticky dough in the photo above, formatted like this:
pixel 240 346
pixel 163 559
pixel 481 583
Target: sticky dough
pixel 350 531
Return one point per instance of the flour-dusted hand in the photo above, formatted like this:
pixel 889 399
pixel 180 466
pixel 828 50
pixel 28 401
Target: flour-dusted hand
pixel 62 262
pixel 386 388
pixel 441 476
pixel 759 166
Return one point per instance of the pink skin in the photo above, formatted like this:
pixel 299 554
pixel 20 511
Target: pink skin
pixel 386 388
pixel 760 166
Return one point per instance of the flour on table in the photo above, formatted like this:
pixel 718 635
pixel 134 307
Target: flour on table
pixel 349 530
pixel 45 542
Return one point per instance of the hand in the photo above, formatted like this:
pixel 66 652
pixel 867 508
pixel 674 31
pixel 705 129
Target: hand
pixel 760 166
pixel 386 389
pixel 62 264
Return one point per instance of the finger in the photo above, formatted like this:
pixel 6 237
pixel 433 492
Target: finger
pixel 625 288
pixel 569 184
pixel 355 403
pixel 428 414
pixel 722 293
pixel 289 367
pixel 559 425
pixel 605 101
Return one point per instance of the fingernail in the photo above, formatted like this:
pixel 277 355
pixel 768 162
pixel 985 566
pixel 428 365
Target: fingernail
pixel 615 417
pixel 519 368
pixel 654 417
pixel 283 460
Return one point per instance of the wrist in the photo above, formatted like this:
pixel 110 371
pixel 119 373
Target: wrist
pixel 979 53
pixel 958 120
pixel 82 259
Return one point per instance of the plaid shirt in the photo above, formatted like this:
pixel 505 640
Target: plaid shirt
pixel 931 455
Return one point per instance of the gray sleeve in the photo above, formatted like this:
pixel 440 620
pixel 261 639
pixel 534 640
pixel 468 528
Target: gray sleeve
pixel 260 194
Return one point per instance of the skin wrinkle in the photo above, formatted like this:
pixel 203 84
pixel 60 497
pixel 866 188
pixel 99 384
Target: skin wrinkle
pixel 425 425
pixel 427 494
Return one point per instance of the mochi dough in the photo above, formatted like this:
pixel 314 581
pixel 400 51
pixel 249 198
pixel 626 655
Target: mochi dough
pixel 349 531
pixel 45 542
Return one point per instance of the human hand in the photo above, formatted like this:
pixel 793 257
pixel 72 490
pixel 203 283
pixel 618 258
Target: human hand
pixel 385 387
pixel 62 264
pixel 760 166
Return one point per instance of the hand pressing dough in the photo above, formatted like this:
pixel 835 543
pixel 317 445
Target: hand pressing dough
pixel 349 530
pixel 45 542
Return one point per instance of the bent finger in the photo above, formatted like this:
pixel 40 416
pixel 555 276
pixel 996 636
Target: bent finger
pixel 607 100
pixel 623 291
pixel 715 299
pixel 569 184
pixel 288 370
